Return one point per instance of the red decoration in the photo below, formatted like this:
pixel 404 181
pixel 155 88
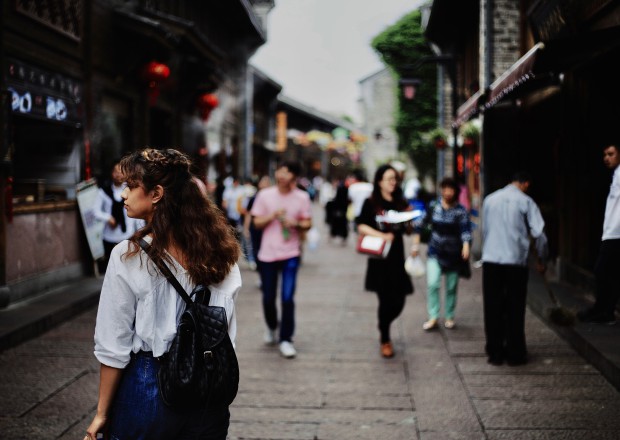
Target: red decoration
pixel 154 74
pixel 207 102
pixel 468 142
pixel 440 143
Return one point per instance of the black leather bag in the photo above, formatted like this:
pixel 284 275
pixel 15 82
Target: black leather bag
pixel 201 366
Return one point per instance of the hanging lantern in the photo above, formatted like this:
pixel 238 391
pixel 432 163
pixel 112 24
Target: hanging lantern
pixel 440 143
pixel 154 74
pixel 206 103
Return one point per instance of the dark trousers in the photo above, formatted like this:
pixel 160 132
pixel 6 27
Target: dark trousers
pixel 504 291
pixel 607 279
pixel 269 282
pixel 390 307
pixel 107 248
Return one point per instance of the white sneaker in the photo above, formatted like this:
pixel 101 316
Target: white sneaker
pixel 287 350
pixel 270 337
pixel 252 265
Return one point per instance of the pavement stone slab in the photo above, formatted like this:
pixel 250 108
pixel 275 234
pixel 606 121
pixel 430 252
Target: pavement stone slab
pixel 572 434
pixel 437 387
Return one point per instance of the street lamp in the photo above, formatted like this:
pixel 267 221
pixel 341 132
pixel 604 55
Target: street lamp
pixel 409 87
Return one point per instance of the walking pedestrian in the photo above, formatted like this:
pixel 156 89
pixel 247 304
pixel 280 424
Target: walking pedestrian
pixel 250 231
pixel 448 251
pixel 283 212
pixel 139 309
pixel 110 210
pixel 339 225
pixel 510 218
pixel 606 267
pixel 359 191
pixel 387 277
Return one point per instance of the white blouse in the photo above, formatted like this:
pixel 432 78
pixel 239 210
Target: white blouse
pixel 139 309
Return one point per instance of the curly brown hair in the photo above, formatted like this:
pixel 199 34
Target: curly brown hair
pixel 184 216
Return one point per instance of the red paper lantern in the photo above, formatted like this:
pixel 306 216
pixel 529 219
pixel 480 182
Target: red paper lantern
pixel 154 74
pixel 207 102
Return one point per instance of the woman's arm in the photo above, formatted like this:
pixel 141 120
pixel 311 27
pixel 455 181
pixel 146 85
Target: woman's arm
pixel 415 244
pixel 109 378
pixel 367 230
pixel 465 226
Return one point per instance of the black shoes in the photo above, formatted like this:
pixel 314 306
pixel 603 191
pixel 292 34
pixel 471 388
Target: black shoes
pixel 512 362
pixel 596 317
pixel 495 360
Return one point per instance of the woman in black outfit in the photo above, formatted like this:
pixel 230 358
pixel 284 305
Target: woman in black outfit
pixel 386 276
pixel 338 214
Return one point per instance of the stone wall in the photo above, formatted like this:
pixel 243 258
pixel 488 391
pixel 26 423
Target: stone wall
pixel 378 105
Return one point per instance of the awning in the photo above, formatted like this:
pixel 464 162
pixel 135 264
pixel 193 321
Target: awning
pixel 468 110
pixel 520 72
pixel 517 75
pixel 539 67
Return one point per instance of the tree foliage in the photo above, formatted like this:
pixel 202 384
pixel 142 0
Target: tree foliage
pixel 401 46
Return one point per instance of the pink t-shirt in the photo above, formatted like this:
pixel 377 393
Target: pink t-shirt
pixel 273 246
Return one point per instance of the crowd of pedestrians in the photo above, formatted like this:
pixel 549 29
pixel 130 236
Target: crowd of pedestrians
pixel 202 234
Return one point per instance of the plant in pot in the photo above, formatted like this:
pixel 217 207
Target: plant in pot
pixel 437 137
pixel 470 134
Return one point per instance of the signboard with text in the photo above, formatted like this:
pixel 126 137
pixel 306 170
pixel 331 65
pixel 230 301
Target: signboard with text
pixel 87 193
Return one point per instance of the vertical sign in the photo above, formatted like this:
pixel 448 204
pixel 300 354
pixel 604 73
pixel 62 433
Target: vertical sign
pixel 281 139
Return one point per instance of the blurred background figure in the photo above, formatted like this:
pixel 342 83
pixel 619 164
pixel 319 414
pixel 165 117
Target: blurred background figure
pixel 337 213
pixel 111 211
pixel 250 232
pixel 359 190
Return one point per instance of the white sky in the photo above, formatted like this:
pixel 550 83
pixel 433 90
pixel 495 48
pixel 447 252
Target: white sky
pixel 318 50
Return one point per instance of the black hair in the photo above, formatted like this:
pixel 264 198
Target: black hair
pixel 397 195
pixel 359 175
pixel 521 177
pixel 612 145
pixel 449 182
pixel 293 166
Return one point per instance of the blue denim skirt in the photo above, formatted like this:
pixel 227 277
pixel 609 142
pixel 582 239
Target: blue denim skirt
pixel 139 413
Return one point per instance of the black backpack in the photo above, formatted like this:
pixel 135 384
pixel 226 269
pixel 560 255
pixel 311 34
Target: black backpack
pixel 201 366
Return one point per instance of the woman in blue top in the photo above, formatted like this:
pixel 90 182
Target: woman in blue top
pixel 448 250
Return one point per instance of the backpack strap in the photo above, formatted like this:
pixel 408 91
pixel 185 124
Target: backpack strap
pixel 163 267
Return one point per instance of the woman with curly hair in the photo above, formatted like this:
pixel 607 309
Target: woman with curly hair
pixel 139 308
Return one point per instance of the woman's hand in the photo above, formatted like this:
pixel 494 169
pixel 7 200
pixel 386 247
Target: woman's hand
pixel 415 250
pixel 387 236
pixel 97 425
pixel 465 251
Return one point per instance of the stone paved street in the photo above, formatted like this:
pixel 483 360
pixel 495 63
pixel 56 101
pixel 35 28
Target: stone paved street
pixel 438 386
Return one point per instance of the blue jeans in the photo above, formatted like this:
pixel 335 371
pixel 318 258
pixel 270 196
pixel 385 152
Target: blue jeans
pixel 269 281
pixel 139 413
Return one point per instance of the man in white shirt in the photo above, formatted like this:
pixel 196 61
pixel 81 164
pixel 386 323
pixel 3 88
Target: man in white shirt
pixel 606 268
pixel 359 190
pixel 510 218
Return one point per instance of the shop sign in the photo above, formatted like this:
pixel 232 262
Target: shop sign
pixel 44 95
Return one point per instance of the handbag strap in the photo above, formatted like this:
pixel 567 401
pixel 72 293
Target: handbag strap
pixel 163 267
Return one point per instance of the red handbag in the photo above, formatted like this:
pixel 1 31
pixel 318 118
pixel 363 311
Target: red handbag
pixel 373 246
